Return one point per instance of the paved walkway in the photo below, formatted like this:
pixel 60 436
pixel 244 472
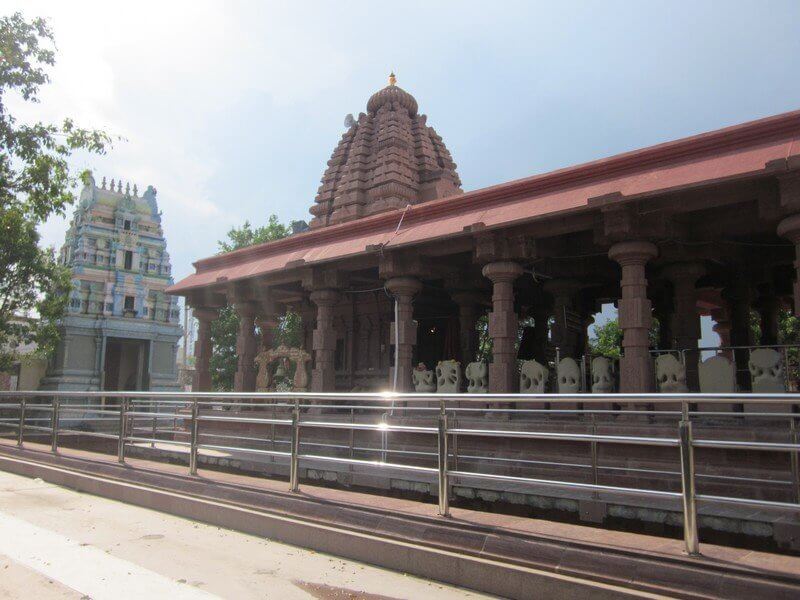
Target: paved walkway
pixel 58 543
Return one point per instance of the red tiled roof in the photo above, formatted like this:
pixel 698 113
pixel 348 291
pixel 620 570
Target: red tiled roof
pixel 734 152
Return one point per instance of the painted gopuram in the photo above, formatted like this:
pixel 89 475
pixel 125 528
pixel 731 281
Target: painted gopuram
pixel 400 265
pixel 121 328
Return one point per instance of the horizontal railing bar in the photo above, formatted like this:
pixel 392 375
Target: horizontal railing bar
pixel 374 463
pixel 157 415
pixel 235 449
pixel 89 433
pixel 154 440
pixel 566 484
pixel 389 397
pixel 368 427
pixel 245 420
pixel 734 445
pixel 749 502
pixel 578 437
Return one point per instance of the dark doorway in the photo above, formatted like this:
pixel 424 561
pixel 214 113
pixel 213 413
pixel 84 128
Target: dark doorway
pixel 126 365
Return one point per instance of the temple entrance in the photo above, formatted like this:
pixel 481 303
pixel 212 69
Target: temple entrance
pixel 126 365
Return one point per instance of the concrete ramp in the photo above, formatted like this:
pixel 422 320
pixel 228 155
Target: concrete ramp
pixel 504 555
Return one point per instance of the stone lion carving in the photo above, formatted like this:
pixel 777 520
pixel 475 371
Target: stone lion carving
pixel 297 355
pixel 717 375
pixel 766 371
pixel 569 376
pixel 423 379
pixel 602 375
pixel 670 374
pixel 532 377
pixel 477 374
pixel 448 377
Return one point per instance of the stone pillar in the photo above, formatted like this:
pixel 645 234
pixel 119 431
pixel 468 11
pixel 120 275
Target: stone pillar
pixel 636 367
pixel 790 229
pixel 323 377
pixel 565 337
pixel 468 304
pixel 202 349
pixel 738 297
pixel 685 317
pixel 768 308
pixel 503 377
pixel 541 332
pixel 403 289
pixel 267 325
pixel 246 347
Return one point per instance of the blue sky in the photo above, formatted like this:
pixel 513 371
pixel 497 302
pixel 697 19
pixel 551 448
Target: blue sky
pixel 231 109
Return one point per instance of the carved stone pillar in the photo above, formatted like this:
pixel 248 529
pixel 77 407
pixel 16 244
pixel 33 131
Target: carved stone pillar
pixel 566 333
pixel 468 313
pixel 503 377
pixel 202 349
pixel 246 348
pixel 323 377
pixel 403 289
pixel 739 299
pixel 685 317
pixel 790 229
pixel 768 308
pixel 635 319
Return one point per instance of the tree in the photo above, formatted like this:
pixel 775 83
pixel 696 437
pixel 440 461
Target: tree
pixel 607 340
pixel 35 183
pixel 226 328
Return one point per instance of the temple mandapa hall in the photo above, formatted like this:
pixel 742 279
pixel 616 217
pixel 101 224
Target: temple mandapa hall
pixel 400 265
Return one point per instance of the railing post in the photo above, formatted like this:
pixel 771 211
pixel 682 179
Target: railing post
pixel 194 424
pixel 690 536
pixel 294 480
pixel 595 478
pixel 794 457
pixel 21 432
pixel 123 426
pixel 444 486
pixel 54 435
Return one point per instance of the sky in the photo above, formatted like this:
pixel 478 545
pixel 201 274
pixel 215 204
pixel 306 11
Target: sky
pixel 231 109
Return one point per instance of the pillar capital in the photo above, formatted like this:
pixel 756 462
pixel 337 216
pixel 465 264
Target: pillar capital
pixel 403 286
pixel 246 309
pixel 790 228
pixel 502 271
pixel 683 272
pixel 632 253
pixel 324 297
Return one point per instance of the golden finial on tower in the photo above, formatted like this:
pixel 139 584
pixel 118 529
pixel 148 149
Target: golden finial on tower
pixel 392 78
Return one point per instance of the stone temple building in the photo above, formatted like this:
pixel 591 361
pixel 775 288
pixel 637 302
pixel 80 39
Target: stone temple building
pixel 121 329
pixel 400 264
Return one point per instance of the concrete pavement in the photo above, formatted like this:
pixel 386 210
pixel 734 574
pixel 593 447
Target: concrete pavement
pixel 58 543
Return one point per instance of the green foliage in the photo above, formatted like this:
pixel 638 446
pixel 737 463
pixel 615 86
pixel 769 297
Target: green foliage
pixel 226 328
pixel 607 340
pixel 241 237
pixel 35 183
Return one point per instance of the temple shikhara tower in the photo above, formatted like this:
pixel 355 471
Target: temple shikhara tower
pixel 388 158
pixel 121 329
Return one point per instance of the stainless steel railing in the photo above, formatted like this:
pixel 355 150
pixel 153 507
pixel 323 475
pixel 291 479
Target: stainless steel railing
pixel 155 407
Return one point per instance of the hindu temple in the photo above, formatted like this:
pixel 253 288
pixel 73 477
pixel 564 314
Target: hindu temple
pixel 121 329
pixel 400 265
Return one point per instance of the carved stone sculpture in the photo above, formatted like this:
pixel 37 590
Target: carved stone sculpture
pixel 670 375
pixel 423 379
pixel 298 356
pixel 532 377
pixel 766 371
pixel 569 376
pixel 602 375
pixel 477 374
pixel 448 377
pixel 717 376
